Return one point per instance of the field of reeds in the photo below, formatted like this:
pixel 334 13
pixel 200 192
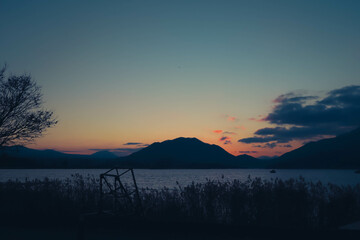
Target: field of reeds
pixel 293 203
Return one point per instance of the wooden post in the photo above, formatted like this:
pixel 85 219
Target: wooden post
pixel 101 194
pixel 139 208
pixel 115 195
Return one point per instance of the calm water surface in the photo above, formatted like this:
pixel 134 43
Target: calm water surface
pixel 169 178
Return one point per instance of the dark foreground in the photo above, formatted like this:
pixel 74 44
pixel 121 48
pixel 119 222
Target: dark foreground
pixel 139 230
pixel 254 209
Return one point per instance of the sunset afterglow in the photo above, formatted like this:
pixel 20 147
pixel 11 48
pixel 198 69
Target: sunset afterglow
pixel 148 71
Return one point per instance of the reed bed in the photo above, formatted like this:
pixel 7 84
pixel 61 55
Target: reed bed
pixel 293 203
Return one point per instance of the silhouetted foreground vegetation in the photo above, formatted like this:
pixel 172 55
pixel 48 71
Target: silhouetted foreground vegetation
pixel 274 208
pixel 280 204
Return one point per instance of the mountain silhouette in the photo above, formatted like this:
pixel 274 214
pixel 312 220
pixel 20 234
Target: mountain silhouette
pixel 333 153
pixel 247 161
pixel 103 155
pixel 185 153
pixel 340 152
pixel 177 153
pixel 23 157
pixel 24 152
pixel 268 157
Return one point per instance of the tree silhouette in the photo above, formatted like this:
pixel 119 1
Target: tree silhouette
pixel 22 118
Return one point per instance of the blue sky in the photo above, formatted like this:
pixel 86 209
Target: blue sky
pixel 145 71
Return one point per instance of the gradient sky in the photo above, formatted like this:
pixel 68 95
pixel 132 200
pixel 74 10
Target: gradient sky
pixel 142 71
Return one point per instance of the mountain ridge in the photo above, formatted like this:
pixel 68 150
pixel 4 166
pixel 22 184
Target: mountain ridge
pixel 339 152
pixel 185 153
pixel 332 153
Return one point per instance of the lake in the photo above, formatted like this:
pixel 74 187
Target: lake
pixel 169 178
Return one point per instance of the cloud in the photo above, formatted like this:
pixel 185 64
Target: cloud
pixel 257 139
pixel 136 144
pixel 225 140
pixel 226 132
pixel 266 145
pixel 302 117
pixel 341 107
pixel 246 152
pixel 133 143
pixel 231 119
pixel 270 145
pixel 283 135
pixel 293 97
pixel 260 118
pixel 230 133
pixel 217 131
pixel 345 97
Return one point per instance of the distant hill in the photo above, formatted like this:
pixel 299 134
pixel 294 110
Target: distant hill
pixel 23 152
pixel 267 157
pixel 340 152
pixel 22 157
pixel 246 161
pixel 186 153
pixel 103 155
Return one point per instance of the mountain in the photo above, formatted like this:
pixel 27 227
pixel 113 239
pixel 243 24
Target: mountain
pixel 184 153
pixel 246 161
pixel 268 157
pixel 177 153
pixel 341 152
pixel 22 157
pixel 23 152
pixel 103 155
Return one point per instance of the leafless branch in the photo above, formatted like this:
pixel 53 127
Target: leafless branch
pixel 22 118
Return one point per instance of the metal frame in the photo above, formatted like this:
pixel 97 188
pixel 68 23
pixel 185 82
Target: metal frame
pixel 111 184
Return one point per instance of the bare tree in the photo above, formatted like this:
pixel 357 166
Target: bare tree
pixel 22 118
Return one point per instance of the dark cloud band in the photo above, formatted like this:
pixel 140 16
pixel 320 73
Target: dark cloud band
pixel 310 116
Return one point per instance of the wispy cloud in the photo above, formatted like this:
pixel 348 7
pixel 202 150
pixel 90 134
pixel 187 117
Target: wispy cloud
pixel 230 133
pixel 133 143
pixel 136 144
pixel 225 140
pixel 217 131
pixel 266 145
pixel 259 119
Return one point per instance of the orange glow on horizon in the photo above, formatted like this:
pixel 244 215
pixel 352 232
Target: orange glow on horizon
pixel 233 147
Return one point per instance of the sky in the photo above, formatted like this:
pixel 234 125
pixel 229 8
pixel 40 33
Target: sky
pixel 255 77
